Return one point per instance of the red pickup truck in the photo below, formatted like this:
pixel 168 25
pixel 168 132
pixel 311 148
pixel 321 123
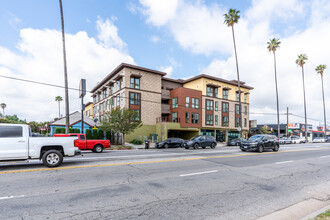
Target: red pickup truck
pixel 96 146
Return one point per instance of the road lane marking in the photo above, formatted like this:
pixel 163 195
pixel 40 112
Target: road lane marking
pixel 288 161
pixel 153 161
pixel 192 174
pixel 325 156
pixel 11 197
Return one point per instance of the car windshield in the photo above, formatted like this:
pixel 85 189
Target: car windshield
pixel 195 138
pixel 256 137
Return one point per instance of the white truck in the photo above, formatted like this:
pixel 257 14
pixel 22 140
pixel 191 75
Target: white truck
pixel 17 144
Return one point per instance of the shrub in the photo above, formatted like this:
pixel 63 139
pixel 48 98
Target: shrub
pixel 59 130
pixel 108 135
pixel 95 134
pixel 88 134
pixel 101 134
pixel 136 142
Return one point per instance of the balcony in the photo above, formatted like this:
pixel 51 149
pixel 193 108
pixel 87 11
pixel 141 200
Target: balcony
pixel 165 94
pixel 167 119
pixel 166 109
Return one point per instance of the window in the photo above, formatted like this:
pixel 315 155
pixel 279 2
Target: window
pixel 98 97
pixel 135 82
pixel 237 109
pixel 245 98
pixel 211 91
pixel 134 98
pixel 94 100
pixel 237 96
pixel 82 137
pixel 236 122
pixel 118 100
pixel 175 102
pixel 137 118
pixel 104 106
pixel 194 103
pixel 187 117
pixel 187 102
pixel 11 131
pixel 216 106
pixel 122 99
pixel 225 121
pixel 117 85
pixel 194 118
pixel 174 117
pixel 121 85
pixel 225 107
pixel 245 110
pixel 209 119
pixel 112 102
pixel 209 105
pixel 111 89
pixel 245 122
pixel 216 120
pixel 225 94
pixel 104 94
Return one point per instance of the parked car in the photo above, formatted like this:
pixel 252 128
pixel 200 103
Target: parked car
pixel 295 140
pixel 200 141
pixel 288 141
pixel 96 146
pixel 235 142
pixel 283 140
pixel 319 140
pixel 17 144
pixel 171 142
pixel 327 139
pixel 261 142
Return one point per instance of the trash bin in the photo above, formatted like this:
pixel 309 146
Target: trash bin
pixel 146 144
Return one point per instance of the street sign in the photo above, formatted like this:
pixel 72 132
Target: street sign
pixel 82 88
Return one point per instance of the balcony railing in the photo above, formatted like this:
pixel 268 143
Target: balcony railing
pixel 165 109
pixel 165 94
pixel 167 119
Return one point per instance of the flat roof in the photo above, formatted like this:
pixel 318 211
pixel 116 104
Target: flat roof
pixel 120 67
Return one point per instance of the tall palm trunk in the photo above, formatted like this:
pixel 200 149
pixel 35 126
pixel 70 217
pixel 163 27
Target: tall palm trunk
pixel 59 109
pixel 303 78
pixel 277 103
pixel 65 75
pixel 239 85
pixel 325 119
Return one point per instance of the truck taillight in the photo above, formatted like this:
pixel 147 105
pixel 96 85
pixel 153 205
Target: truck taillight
pixel 76 142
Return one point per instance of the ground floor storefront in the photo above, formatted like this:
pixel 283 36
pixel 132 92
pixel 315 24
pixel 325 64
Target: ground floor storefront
pixel 163 131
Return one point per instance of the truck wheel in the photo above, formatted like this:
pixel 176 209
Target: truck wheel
pixel 98 148
pixel 52 158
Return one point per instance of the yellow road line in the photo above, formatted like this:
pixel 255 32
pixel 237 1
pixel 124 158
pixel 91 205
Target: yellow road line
pixel 153 161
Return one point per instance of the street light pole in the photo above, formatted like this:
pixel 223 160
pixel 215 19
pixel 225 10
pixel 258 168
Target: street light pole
pixel 65 75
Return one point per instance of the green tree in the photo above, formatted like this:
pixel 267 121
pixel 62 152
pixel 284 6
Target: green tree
pixel 266 130
pixel 121 120
pixel 3 106
pixel 300 62
pixel 59 99
pixel 230 19
pixel 88 134
pixel 95 134
pixel 273 45
pixel 320 69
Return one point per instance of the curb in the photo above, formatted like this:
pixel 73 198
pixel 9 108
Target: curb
pixel 314 214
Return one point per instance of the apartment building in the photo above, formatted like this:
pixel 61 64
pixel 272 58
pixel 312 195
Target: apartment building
pixel 89 110
pixel 174 107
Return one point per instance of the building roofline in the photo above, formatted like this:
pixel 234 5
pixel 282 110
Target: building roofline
pixel 231 82
pixel 120 67
pixel 173 80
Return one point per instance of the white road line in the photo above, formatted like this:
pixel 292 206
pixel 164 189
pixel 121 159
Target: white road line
pixel 289 161
pixel 192 174
pixel 11 197
pixel 325 156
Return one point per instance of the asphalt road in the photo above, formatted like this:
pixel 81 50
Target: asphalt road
pixel 221 183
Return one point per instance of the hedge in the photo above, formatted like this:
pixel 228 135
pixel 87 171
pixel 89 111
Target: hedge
pixel 88 134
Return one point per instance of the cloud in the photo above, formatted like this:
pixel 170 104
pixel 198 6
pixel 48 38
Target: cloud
pixel 167 69
pixel 302 26
pixel 154 39
pixel 108 34
pixel 40 58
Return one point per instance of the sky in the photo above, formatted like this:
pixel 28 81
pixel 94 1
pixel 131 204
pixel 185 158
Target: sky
pixel 180 37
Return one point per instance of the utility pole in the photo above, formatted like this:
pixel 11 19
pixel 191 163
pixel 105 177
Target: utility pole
pixel 287 121
pixel 65 75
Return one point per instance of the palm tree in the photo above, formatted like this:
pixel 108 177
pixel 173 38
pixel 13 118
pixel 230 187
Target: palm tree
pixel 230 19
pixel 273 44
pixel 320 69
pixel 59 99
pixel 65 74
pixel 3 106
pixel 300 62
